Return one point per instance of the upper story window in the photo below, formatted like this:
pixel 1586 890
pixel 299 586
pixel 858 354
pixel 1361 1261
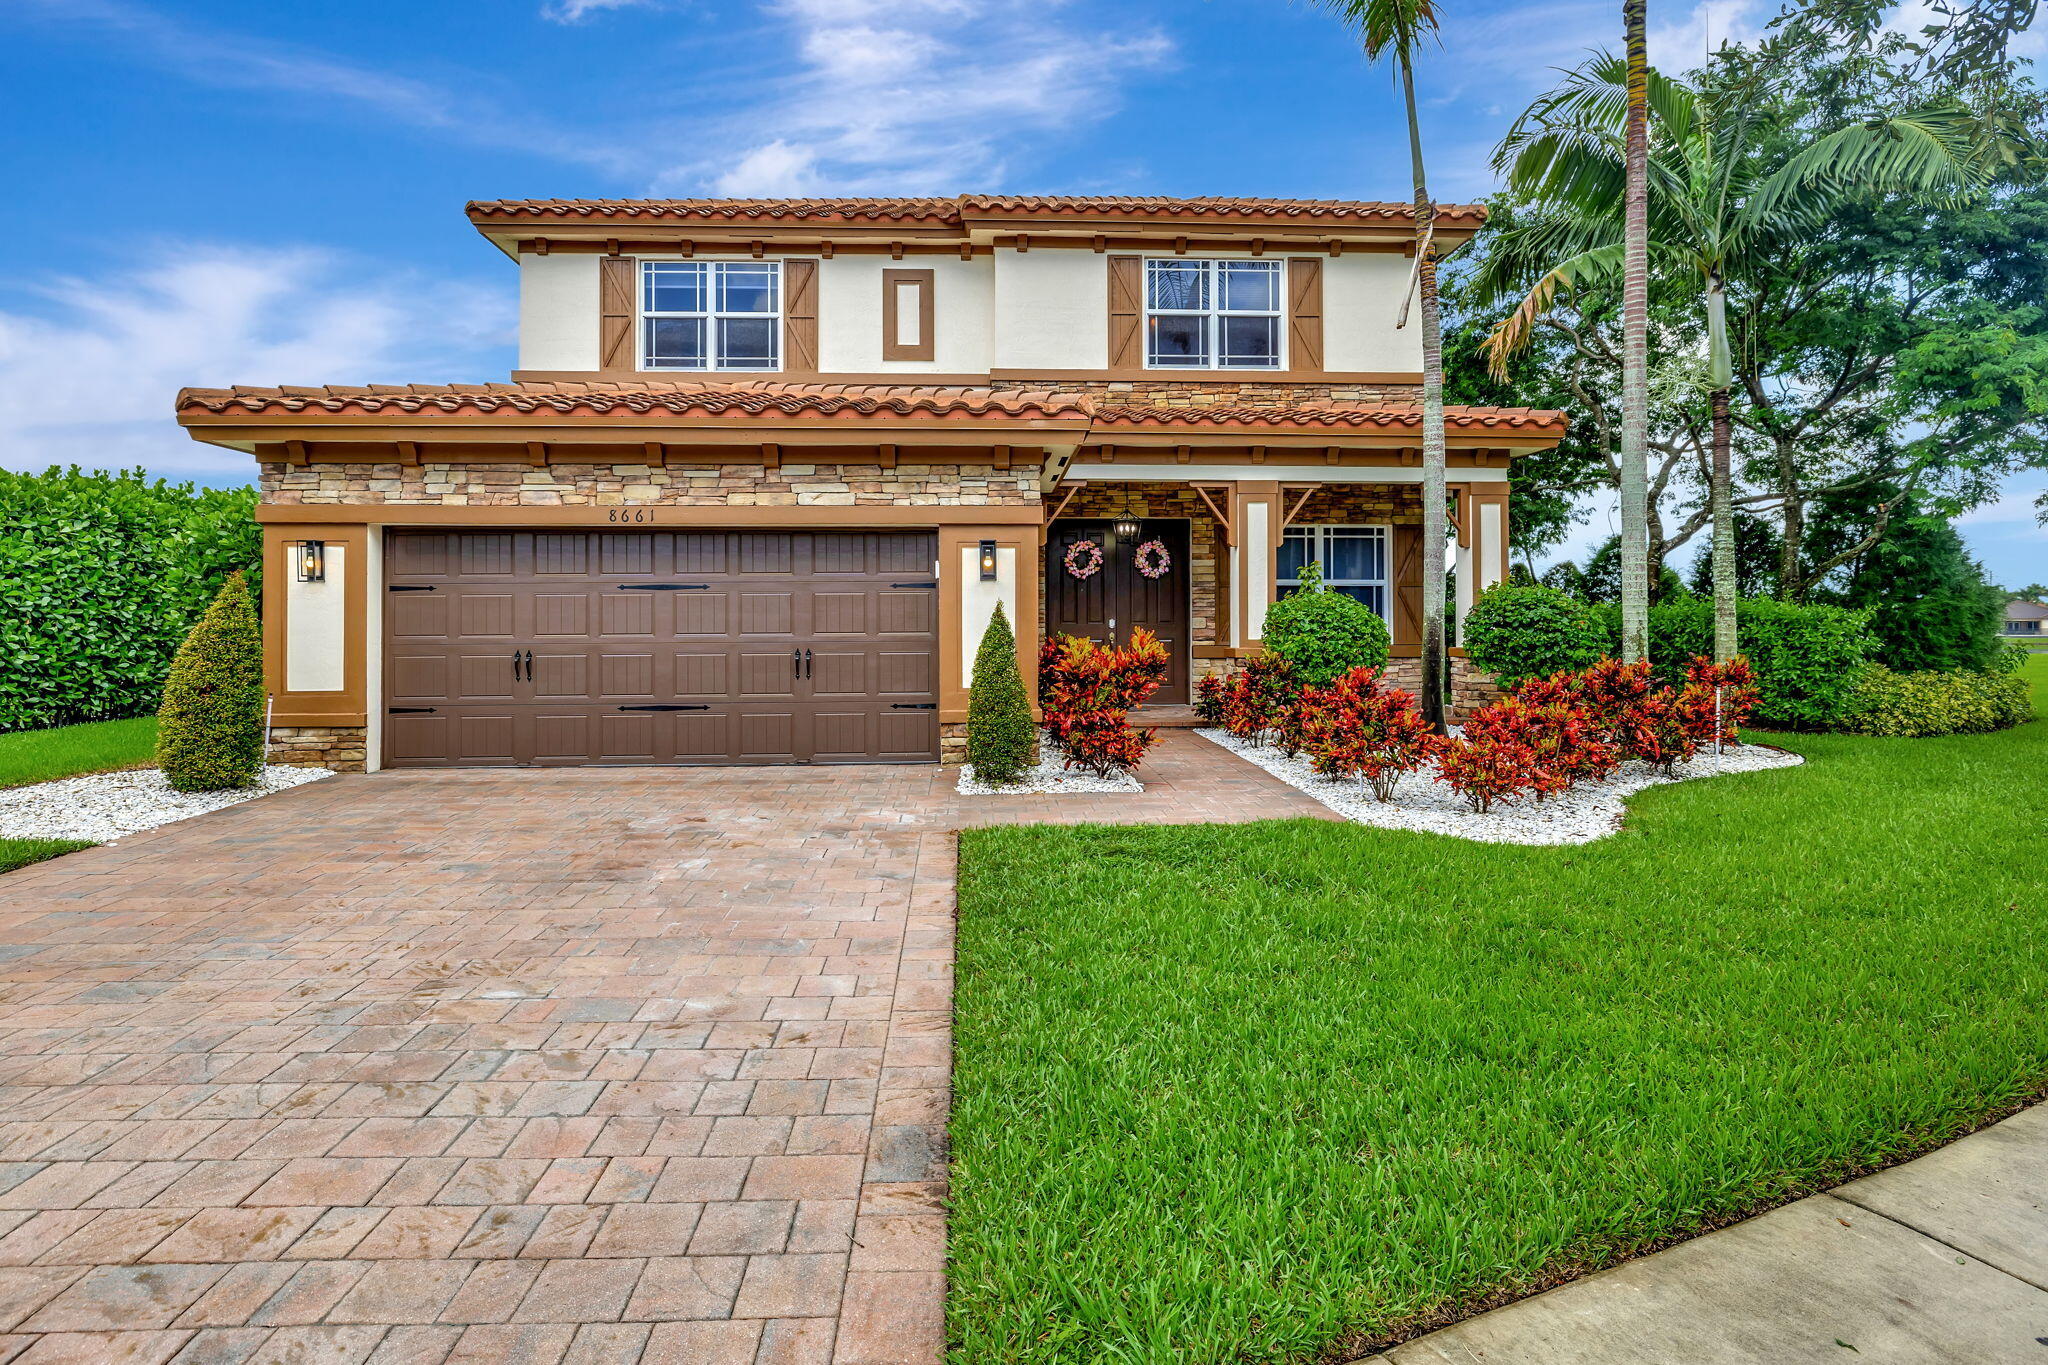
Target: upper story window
pixel 1353 560
pixel 1213 315
pixel 711 315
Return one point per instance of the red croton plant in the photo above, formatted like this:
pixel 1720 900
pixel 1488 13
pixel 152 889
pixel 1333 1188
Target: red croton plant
pixel 1086 692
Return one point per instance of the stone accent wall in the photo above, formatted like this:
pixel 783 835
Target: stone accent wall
pixel 1165 390
pixel 342 748
pixel 952 743
pixel 673 484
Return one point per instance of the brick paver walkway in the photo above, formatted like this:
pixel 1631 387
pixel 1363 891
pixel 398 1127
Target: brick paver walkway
pixel 591 1065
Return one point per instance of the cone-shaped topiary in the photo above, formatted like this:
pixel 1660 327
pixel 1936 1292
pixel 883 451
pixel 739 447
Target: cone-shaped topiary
pixel 1002 741
pixel 210 726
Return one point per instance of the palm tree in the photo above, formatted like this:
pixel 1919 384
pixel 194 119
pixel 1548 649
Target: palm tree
pixel 1716 205
pixel 1396 28
pixel 1635 341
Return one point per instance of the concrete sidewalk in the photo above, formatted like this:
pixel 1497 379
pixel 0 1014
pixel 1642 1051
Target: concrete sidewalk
pixel 1943 1259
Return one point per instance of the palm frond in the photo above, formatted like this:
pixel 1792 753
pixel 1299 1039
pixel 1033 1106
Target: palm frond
pixel 1383 26
pixel 1511 334
pixel 1933 153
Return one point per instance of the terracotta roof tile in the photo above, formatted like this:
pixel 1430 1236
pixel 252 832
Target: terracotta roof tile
pixel 681 397
pixel 764 397
pixel 954 212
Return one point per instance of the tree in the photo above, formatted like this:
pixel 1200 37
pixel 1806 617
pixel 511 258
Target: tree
pixel 1002 741
pixel 1931 607
pixel 1396 28
pixel 2033 592
pixel 1721 206
pixel 210 727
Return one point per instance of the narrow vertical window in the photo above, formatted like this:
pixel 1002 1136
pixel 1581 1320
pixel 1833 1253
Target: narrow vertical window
pixel 907 314
pixel 711 315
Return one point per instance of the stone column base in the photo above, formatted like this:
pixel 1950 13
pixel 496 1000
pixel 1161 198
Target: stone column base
pixel 342 748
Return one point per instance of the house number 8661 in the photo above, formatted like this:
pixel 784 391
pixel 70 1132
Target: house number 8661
pixel 632 514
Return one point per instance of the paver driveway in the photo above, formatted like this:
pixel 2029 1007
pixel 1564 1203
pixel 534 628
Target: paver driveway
pixel 593 1065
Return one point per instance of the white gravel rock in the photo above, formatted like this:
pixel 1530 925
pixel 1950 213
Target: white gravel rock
pixel 105 806
pixel 1585 812
pixel 1048 779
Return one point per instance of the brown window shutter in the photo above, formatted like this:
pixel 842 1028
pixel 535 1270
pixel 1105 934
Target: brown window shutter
pixel 1407 622
pixel 1304 313
pixel 799 317
pixel 1126 300
pixel 618 280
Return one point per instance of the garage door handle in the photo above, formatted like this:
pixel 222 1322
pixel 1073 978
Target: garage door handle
pixel 913 706
pixel 664 587
pixel 807 663
pixel 665 707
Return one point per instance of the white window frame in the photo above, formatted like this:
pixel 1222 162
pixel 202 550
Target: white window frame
pixel 1319 533
pixel 1214 312
pixel 711 314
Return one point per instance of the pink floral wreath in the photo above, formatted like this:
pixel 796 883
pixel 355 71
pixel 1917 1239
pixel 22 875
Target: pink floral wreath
pixel 1151 559
pixel 1084 558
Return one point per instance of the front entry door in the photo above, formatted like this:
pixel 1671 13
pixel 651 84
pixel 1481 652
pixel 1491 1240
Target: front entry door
pixel 1112 602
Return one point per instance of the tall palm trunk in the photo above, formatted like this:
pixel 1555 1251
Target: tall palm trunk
pixel 1635 347
pixel 1434 492
pixel 1720 476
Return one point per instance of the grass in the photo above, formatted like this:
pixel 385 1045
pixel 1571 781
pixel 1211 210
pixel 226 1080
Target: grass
pixel 68 751
pixel 1263 1092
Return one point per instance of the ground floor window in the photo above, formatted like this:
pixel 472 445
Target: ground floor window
pixel 2022 627
pixel 1353 559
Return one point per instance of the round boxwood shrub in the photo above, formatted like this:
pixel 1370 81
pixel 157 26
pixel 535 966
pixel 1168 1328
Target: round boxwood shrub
pixel 1917 705
pixel 1323 635
pixel 1001 739
pixel 1517 631
pixel 210 726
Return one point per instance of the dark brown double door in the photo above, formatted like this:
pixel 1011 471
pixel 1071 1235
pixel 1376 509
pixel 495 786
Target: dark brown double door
pixel 1115 600
pixel 642 647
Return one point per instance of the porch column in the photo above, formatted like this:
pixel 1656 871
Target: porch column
pixel 1254 559
pixel 1489 553
pixel 1462 553
pixel 317 637
pixel 967 601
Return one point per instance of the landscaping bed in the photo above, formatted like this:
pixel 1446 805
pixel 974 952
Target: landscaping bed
pixel 1049 777
pixel 1266 1092
pixel 1586 811
pixel 103 807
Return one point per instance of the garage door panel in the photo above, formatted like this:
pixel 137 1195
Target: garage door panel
pixel 911 612
pixel 613 620
pixel 628 613
pixel 837 612
pixel 767 613
pixel 702 613
pixel 703 675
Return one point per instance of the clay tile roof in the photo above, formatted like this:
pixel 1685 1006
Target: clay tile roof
pixel 954 212
pixel 644 395
pixel 1334 415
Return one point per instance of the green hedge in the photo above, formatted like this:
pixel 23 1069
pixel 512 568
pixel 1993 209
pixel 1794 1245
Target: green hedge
pixel 1916 705
pixel 1524 630
pixel 1807 658
pixel 101 575
pixel 1324 634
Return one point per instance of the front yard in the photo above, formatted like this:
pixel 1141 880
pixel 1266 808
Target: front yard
pixel 1252 1092
pixel 68 751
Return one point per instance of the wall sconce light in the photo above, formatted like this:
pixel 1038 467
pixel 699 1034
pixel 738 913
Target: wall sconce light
pixel 988 561
pixel 312 566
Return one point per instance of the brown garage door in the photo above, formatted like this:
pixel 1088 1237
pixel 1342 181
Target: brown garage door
pixel 582 647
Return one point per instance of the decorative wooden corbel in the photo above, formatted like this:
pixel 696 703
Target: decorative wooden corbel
pixel 885 456
pixel 295 452
pixel 409 453
pixel 1220 511
pixel 771 455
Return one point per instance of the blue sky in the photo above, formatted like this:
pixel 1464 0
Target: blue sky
pixel 268 193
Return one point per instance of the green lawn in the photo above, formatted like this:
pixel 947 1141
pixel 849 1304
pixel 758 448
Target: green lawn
pixel 68 751
pixel 1247 1093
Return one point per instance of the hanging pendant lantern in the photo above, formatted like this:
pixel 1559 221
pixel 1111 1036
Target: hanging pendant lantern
pixel 1127 526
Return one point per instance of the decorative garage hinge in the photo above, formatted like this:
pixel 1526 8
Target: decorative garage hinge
pixel 664 587
pixel 914 705
pixel 665 706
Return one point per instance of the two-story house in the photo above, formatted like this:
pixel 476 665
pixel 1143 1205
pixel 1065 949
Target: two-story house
pixel 767 467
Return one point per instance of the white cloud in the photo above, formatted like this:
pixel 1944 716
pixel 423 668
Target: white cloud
pixel 576 11
pixel 90 377
pixel 914 97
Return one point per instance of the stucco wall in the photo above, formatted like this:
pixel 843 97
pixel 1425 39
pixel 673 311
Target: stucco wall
pixel 850 314
pixel 558 318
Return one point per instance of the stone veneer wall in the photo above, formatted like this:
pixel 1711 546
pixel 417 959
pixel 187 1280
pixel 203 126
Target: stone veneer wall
pixel 343 748
pixel 673 484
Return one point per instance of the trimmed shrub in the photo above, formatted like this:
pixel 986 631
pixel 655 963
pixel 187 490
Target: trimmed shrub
pixel 1516 632
pixel 1002 741
pixel 1806 659
pixel 1086 692
pixel 1324 635
pixel 1918 705
pixel 1360 729
pixel 101 575
pixel 210 726
pixel 1251 701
